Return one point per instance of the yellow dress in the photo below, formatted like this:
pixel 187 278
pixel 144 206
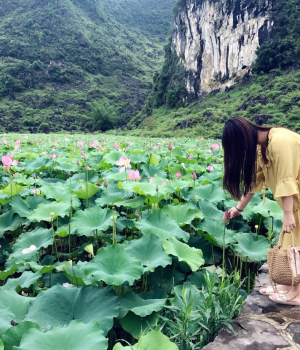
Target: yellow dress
pixel 282 172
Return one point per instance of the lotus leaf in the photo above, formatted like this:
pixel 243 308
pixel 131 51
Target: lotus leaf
pixel 149 251
pixel 162 226
pixel 12 337
pixel 13 189
pixel 114 266
pixel 24 281
pixel 182 214
pixel 136 325
pixel 213 231
pixel 143 304
pixel 59 305
pixel 253 247
pixel 9 222
pixel 76 336
pixel 87 190
pixel 269 206
pixel 192 256
pixel 92 219
pixel 43 211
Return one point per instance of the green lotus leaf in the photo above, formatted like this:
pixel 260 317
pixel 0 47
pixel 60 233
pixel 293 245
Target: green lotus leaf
pixel 154 340
pixel 197 278
pixel 12 337
pixel 165 278
pixel 143 304
pixel 1 345
pixel 113 194
pixel 113 157
pixel 87 190
pixel 13 308
pixel 24 281
pixel 131 203
pixel 192 256
pixel 151 170
pixel 39 237
pixel 211 193
pixel 159 224
pixel 210 210
pixel 75 274
pixel 211 253
pixel 110 177
pixel 76 336
pixel 182 214
pixel 42 268
pixel 137 326
pixel 60 194
pixel 147 189
pixel 60 305
pixel 4 250
pixel 178 185
pixel 38 163
pixel 138 158
pixel 213 231
pixel 9 222
pixel 66 166
pixel 149 251
pixel 269 206
pixel 153 160
pixel 209 177
pixel 114 266
pixel 253 247
pixel 42 212
pixel 6 273
pixel 24 207
pixel 13 189
pixel 91 219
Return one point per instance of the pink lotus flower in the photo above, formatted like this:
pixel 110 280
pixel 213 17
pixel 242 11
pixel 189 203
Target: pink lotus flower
pixel 11 155
pixel 29 250
pixel 5 142
pixel 226 217
pixel 202 139
pixel 80 144
pixel 164 183
pixel 151 179
pixel 8 161
pixel 17 142
pixel 88 168
pixel 16 147
pixel 170 147
pixel 36 191
pixel 35 141
pixel 66 285
pixel 124 163
pixel 105 183
pixel 116 146
pixel 81 152
pixel 53 156
pixel 178 175
pixel 215 146
pixel 190 157
pixel 210 168
pixel 134 175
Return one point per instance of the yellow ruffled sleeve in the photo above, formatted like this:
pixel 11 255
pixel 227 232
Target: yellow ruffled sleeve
pixel 285 153
pixel 260 179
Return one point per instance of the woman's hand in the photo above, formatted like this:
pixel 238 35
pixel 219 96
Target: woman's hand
pixel 233 212
pixel 289 222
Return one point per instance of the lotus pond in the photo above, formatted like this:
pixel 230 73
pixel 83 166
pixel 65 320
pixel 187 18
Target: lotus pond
pixel 115 243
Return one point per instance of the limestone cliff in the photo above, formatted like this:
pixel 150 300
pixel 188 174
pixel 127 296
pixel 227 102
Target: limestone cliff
pixel 217 39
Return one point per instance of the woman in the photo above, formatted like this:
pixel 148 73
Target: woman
pixel 256 157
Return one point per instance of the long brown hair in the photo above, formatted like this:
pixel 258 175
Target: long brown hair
pixel 239 141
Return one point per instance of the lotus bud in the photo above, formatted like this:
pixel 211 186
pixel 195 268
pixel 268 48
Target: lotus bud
pixel 170 147
pixel 137 215
pixel 226 217
pixel 71 199
pixel 196 198
pixel 78 162
pixel 90 249
pixel 105 184
pixel 69 174
pixel 98 183
pixel 156 188
pixel 70 263
pixel 34 176
pixel 88 168
pixel 194 176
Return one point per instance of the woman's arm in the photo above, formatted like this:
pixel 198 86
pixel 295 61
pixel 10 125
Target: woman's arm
pixel 288 219
pixel 241 205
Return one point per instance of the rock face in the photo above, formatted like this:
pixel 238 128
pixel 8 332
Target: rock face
pixel 217 39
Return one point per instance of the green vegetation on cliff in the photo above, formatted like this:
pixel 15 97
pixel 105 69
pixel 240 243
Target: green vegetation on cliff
pixel 57 58
pixel 269 99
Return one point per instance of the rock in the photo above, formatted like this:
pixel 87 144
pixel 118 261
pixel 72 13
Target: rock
pixel 267 325
pixel 218 39
pixel 182 125
pixel 261 119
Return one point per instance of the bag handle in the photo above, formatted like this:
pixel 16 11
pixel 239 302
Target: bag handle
pixel 282 234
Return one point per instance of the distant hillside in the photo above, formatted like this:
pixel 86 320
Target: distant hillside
pixel 59 57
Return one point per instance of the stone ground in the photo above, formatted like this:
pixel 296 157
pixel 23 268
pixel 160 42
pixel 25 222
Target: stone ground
pixel 267 325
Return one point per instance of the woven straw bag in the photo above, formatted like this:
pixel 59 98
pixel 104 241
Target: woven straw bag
pixel 284 264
